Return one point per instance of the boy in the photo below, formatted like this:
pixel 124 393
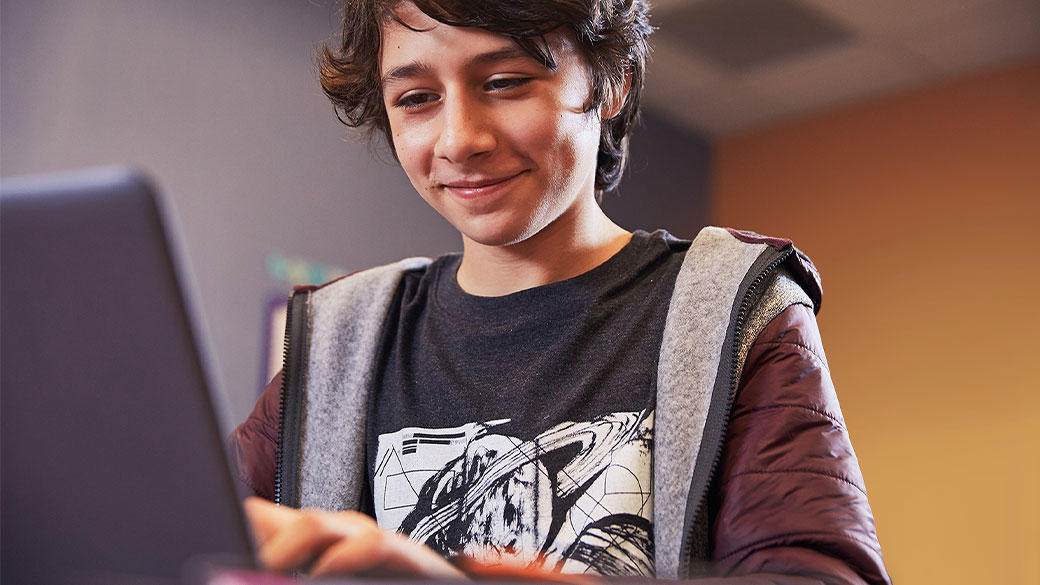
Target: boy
pixel 565 395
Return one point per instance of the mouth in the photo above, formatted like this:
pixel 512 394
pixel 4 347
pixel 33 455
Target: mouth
pixel 479 187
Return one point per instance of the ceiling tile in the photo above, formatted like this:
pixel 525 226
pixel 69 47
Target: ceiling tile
pixel 881 16
pixel 742 35
pixel 826 78
pixel 977 37
pixel 897 44
pixel 691 91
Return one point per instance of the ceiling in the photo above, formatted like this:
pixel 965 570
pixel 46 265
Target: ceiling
pixel 722 67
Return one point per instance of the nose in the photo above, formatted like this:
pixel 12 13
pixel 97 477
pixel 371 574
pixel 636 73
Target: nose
pixel 466 129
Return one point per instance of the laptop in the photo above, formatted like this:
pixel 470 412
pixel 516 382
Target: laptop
pixel 112 467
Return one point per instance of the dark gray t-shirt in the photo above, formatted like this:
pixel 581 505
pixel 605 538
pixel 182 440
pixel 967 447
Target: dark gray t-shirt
pixel 521 426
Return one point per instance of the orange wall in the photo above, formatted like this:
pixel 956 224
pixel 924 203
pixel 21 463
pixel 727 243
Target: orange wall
pixel 922 211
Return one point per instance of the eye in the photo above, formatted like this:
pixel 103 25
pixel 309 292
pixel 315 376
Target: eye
pixel 506 83
pixel 412 101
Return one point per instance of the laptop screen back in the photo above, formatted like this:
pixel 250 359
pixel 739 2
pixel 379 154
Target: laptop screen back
pixel 112 464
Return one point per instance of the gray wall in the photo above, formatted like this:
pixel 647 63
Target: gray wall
pixel 667 182
pixel 217 99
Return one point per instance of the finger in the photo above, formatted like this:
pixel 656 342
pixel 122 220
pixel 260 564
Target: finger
pixel 413 558
pixel 506 572
pixel 378 553
pixel 307 536
pixel 354 555
pixel 266 518
pixel 296 543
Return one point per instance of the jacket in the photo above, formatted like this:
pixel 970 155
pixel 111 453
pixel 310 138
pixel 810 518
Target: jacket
pixel 753 472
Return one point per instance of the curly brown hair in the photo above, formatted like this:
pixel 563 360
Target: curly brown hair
pixel 613 34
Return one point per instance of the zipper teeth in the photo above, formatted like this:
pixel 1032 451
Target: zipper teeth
pixel 280 454
pixel 745 306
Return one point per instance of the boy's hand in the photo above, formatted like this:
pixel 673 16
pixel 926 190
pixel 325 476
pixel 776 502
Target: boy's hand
pixel 324 543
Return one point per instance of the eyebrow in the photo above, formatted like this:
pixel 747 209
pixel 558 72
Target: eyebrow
pixel 504 54
pixel 409 71
pixel 419 68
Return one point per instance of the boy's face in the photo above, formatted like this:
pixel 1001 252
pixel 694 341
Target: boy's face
pixel 497 143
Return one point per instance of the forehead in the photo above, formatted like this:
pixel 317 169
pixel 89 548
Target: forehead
pixel 411 35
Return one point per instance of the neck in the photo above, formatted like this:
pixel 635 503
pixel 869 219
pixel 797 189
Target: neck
pixel 576 242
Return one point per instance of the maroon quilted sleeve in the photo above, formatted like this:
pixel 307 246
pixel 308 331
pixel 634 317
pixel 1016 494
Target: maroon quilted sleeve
pixel 253 445
pixel 791 497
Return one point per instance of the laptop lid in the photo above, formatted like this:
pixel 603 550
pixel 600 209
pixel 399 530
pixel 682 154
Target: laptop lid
pixel 113 467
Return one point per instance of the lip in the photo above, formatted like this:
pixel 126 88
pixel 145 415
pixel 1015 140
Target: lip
pixel 479 187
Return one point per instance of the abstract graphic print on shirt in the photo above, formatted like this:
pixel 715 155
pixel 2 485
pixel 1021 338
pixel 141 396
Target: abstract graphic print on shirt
pixel 576 498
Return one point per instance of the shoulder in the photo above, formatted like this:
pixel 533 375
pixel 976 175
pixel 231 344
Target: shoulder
pixel 356 302
pixel 368 279
pixel 720 250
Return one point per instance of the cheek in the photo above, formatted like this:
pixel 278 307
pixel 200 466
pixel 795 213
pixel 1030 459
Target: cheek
pixel 411 152
pixel 573 141
pixel 556 135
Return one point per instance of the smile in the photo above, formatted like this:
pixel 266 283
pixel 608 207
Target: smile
pixel 473 189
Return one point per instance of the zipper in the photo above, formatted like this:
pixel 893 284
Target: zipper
pixel 289 406
pixel 279 453
pixel 716 428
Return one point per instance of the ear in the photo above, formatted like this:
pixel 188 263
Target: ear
pixel 612 107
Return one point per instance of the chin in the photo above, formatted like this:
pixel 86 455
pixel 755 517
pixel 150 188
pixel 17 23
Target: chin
pixel 498 235
pixel 496 239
